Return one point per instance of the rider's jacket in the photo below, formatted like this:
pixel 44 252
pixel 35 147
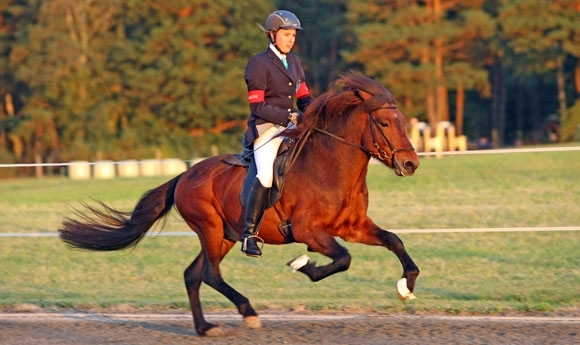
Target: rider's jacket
pixel 273 90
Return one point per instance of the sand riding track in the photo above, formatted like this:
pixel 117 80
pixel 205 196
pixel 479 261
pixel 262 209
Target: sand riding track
pixel 79 328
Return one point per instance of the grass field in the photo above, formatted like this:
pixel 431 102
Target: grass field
pixel 467 272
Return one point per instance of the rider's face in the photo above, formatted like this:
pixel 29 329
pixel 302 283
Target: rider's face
pixel 285 40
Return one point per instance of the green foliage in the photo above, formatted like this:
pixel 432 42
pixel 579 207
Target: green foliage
pixel 135 78
pixel 539 33
pixel 325 34
pixel 408 48
pixel 127 79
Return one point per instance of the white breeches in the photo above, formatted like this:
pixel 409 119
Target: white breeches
pixel 265 150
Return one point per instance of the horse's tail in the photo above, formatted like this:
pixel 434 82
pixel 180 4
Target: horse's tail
pixel 110 229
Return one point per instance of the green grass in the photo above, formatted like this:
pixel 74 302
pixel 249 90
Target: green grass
pixel 461 273
pixel 498 190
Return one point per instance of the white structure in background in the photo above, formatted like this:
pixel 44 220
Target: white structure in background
pixel 79 170
pixel 128 168
pixel 424 139
pixel 104 169
pixel 172 166
pixel 150 167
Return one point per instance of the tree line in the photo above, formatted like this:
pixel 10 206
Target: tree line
pixel 135 79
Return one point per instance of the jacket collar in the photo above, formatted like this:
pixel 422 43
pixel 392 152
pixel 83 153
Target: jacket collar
pixel 276 51
pixel 272 53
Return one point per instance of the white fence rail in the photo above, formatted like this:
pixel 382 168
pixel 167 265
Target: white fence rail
pixel 400 231
pixel 443 153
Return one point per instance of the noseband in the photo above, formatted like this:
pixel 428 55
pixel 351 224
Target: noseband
pixel 381 154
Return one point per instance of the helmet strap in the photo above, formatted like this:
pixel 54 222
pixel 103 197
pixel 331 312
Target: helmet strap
pixel 272 37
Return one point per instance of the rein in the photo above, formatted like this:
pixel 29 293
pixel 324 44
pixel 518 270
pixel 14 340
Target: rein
pixel 381 154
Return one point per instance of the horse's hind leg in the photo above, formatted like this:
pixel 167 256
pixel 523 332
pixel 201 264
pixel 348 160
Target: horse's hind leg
pixel 205 268
pixel 192 277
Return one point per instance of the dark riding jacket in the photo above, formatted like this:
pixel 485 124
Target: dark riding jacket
pixel 273 90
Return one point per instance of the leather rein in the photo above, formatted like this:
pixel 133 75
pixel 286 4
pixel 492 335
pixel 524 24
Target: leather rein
pixel 381 154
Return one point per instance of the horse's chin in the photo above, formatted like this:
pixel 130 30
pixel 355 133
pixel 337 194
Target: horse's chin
pixel 399 171
pixel 403 173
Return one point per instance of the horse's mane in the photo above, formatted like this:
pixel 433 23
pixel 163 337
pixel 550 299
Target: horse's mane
pixel 329 109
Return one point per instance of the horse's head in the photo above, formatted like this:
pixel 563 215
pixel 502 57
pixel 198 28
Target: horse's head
pixel 388 141
pixel 368 113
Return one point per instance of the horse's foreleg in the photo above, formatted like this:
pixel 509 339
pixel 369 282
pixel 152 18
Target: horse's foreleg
pixel 395 244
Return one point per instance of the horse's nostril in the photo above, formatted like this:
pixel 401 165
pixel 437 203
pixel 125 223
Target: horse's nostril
pixel 409 165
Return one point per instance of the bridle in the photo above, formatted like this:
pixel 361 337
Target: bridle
pixel 380 154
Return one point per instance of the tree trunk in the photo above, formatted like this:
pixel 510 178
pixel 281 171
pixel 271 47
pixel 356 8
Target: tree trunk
pixel 577 78
pixel 430 88
pixel 38 167
pixel 502 107
pixel 9 112
pixel 498 104
pixel 459 108
pixel 520 116
pixel 534 105
pixel 560 79
pixel 441 88
pixel 430 92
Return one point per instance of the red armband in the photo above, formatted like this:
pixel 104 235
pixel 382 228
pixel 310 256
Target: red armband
pixel 302 90
pixel 256 96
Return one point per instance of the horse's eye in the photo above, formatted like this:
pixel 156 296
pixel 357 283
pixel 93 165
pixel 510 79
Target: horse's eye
pixel 384 124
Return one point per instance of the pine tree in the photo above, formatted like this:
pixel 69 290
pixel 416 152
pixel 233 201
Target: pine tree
pixel 129 79
pixel 325 35
pixel 424 49
pixel 540 36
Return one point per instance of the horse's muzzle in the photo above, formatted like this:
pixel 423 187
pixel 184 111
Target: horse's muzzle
pixel 405 167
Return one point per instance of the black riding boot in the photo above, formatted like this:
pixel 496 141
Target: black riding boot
pixel 255 206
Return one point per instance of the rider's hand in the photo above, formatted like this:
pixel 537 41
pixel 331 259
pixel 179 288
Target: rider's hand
pixel 294 117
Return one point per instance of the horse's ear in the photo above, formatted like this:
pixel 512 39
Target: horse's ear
pixel 362 94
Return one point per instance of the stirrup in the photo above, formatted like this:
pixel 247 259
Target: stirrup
pixel 245 245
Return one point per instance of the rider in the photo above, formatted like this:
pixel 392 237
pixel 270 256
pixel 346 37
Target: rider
pixel 275 79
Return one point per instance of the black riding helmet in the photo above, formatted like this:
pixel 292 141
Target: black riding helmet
pixel 280 19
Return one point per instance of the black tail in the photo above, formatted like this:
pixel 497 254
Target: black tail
pixel 110 229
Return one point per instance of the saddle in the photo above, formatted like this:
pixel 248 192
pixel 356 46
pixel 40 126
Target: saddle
pixel 282 164
pixel 285 158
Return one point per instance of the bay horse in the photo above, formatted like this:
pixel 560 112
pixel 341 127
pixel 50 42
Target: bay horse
pixel 325 196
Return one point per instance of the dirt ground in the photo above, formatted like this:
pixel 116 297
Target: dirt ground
pixel 51 328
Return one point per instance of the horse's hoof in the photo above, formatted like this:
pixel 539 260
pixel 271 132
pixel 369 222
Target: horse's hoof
pixel 403 291
pixel 298 262
pixel 253 322
pixel 215 332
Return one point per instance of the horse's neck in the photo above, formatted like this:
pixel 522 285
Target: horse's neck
pixel 337 162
